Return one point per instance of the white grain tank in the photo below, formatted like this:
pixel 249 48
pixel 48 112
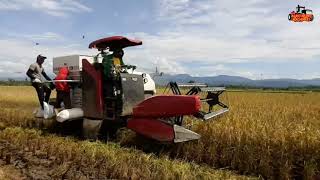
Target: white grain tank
pixel 74 64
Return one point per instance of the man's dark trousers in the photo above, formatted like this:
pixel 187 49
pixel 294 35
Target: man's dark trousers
pixel 43 92
pixel 64 97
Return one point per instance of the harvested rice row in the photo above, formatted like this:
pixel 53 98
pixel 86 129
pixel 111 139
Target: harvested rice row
pixel 83 159
pixel 273 135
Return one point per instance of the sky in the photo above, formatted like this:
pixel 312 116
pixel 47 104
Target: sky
pixel 251 38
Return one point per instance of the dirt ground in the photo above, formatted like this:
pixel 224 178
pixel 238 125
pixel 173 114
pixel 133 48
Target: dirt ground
pixel 24 164
pixel 8 172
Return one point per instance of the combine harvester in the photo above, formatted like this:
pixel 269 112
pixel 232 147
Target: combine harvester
pixel 301 14
pixel 110 96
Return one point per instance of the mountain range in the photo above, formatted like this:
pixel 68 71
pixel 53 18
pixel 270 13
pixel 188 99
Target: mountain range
pixel 225 80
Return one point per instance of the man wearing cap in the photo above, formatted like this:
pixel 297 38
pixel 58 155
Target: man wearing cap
pixel 35 73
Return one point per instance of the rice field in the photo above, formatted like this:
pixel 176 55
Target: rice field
pixel 265 135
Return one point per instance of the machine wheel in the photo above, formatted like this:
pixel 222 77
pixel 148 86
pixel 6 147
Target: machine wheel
pixel 311 18
pixel 91 128
pixel 289 17
pixel 49 123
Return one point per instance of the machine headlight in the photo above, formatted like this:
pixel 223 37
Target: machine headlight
pixel 144 75
pixel 145 80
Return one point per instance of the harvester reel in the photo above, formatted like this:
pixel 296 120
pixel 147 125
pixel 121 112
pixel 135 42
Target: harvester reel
pixel 212 99
pixel 178 120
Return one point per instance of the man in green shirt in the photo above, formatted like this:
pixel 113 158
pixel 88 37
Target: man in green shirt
pixel 112 60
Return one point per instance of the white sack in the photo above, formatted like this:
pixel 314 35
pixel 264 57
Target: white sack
pixel 69 114
pixel 38 112
pixel 48 110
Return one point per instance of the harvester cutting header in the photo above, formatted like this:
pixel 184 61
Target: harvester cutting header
pixel 111 94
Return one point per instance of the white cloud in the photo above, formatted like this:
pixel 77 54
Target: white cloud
pixel 45 36
pixel 212 32
pixel 48 35
pixel 185 12
pixel 17 55
pixel 8 5
pixel 60 8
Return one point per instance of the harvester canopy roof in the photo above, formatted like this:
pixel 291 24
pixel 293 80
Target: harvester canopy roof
pixel 114 42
